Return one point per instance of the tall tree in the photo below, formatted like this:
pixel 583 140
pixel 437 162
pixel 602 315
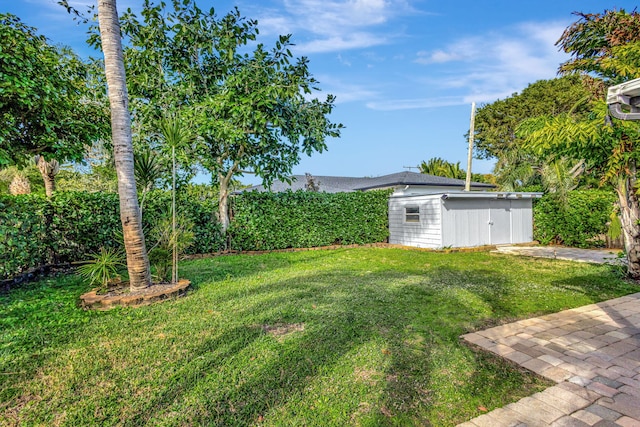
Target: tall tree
pixel 48 105
pixel 496 124
pixel 137 260
pixel 607 45
pixel 252 107
pixel 440 167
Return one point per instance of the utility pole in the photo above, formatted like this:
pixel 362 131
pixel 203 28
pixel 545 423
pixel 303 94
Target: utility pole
pixel 467 185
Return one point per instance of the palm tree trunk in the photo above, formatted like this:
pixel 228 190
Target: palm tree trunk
pixel 629 217
pixel 48 171
pixel 137 260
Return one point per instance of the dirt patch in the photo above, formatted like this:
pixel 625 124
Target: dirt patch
pixel 121 297
pixel 281 330
pixel 367 376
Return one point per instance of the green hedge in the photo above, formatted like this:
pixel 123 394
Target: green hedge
pixel 23 233
pixel 35 230
pixel 265 221
pixel 198 204
pixel 577 223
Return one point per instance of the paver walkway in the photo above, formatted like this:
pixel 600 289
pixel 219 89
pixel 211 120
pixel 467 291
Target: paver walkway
pixel 598 256
pixel 592 352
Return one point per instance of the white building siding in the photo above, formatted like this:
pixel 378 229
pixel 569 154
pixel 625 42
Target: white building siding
pixel 422 234
pixel 522 220
pixel 465 223
pixel 462 220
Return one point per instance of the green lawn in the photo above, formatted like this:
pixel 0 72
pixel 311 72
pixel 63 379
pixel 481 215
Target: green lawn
pixel 365 336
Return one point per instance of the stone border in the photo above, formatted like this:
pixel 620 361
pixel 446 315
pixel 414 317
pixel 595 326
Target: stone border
pixel 156 293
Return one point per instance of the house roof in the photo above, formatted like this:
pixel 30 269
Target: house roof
pixel 342 184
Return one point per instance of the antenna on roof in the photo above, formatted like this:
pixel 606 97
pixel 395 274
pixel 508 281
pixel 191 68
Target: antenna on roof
pixel 411 167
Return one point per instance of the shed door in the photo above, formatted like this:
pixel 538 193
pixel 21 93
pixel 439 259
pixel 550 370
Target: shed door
pixel 500 221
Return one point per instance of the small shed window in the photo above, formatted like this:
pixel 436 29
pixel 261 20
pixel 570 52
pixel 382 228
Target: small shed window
pixel 411 214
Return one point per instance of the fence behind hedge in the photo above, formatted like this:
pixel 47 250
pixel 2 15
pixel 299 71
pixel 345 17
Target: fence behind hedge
pixel 35 230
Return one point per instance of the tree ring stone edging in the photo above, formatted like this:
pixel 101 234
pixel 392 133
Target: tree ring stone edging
pixel 154 293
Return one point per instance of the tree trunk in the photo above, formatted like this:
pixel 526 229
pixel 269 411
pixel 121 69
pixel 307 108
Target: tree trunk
pixel 48 170
pixel 223 204
pixel 137 260
pixel 629 217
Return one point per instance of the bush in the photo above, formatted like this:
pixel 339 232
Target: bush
pixel 197 204
pixel 580 222
pixel 70 226
pixel 266 221
pixel 24 233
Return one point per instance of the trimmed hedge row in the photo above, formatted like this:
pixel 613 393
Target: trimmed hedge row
pixel 265 221
pixel 35 230
pixel 577 223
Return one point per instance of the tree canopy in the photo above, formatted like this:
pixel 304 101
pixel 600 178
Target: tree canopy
pixel 252 107
pixel 48 105
pixel 496 123
pixel 606 45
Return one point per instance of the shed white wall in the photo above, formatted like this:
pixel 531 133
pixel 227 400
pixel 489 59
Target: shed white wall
pixel 465 223
pixel 460 222
pixel 522 221
pixel 423 234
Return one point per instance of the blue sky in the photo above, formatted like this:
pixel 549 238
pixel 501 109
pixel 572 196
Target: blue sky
pixel 404 71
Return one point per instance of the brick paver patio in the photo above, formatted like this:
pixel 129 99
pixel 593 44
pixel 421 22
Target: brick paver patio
pixel 592 352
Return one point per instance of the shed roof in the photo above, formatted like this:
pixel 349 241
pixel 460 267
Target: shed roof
pixel 474 195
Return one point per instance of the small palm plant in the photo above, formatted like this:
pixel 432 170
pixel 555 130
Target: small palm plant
pixel 103 268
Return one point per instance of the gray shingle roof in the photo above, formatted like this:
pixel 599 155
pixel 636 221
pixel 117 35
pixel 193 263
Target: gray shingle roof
pixel 342 184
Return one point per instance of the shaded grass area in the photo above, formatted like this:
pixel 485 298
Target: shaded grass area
pixel 365 336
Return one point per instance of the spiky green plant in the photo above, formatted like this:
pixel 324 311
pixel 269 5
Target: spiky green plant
pixel 103 268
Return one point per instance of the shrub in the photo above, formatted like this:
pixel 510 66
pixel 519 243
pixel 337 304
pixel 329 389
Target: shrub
pixel 24 233
pixel 67 227
pixel 580 222
pixel 266 221
pixel 103 268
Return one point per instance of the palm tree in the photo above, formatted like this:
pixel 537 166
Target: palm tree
pixel 147 170
pixel 440 167
pixel 48 170
pixel 175 135
pixel 560 176
pixel 134 243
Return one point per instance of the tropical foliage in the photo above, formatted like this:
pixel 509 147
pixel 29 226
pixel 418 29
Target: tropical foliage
pixel 252 106
pixel 440 167
pixel 68 226
pixel 51 104
pixel 607 45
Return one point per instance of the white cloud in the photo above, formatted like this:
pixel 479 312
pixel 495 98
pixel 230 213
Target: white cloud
pixel 487 67
pixel 438 56
pixel 346 92
pixel 331 25
pixel 341 42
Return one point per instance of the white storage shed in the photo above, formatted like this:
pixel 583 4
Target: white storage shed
pixel 461 219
